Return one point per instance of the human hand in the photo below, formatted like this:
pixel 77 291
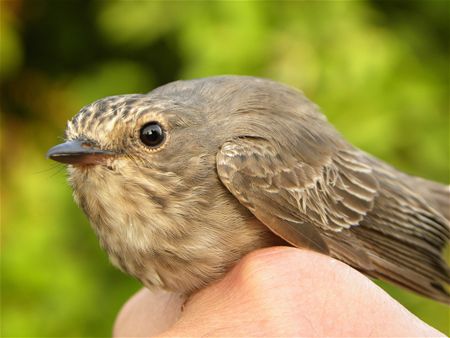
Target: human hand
pixel 277 291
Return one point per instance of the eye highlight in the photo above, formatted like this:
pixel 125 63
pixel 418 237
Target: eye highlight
pixel 152 134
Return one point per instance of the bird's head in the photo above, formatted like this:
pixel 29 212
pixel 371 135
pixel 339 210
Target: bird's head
pixel 135 129
pixel 138 163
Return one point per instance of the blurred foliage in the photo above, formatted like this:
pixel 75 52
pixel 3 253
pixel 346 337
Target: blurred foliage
pixel 378 69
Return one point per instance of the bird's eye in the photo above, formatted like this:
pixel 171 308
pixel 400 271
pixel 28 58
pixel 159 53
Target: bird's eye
pixel 152 134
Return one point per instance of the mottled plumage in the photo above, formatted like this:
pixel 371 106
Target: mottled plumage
pixel 245 163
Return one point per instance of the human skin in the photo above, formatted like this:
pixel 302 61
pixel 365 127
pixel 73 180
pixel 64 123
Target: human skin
pixel 277 291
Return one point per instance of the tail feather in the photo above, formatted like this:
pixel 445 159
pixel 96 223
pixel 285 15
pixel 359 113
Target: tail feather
pixel 402 264
pixel 405 234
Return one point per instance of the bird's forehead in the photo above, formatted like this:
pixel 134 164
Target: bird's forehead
pixel 108 109
pixel 110 115
pixel 105 113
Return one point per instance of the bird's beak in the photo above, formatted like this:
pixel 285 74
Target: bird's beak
pixel 78 152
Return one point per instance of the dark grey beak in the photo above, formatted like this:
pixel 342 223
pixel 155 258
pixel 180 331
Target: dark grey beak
pixel 78 152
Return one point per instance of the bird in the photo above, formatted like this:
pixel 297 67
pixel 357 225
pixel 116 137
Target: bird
pixel 182 182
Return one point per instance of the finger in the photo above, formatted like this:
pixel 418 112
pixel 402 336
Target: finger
pixel 291 292
pixel 148 313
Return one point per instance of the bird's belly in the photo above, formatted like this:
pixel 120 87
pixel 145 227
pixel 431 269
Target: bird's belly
pixel 158 268
pixel 179 264
pixel 159 262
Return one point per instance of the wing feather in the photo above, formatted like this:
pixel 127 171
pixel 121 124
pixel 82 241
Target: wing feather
pixel 351 206
pixel 298 200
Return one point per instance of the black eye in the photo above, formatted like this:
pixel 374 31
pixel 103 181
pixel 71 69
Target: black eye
pixel 152 134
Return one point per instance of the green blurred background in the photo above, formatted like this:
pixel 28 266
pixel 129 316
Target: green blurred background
pixel 379 70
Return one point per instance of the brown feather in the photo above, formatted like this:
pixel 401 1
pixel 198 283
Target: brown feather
pixel 365 215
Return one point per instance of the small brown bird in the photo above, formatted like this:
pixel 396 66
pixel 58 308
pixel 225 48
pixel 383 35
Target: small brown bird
pixel 182 182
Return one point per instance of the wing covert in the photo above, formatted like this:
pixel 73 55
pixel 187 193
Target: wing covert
pixel 297 201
